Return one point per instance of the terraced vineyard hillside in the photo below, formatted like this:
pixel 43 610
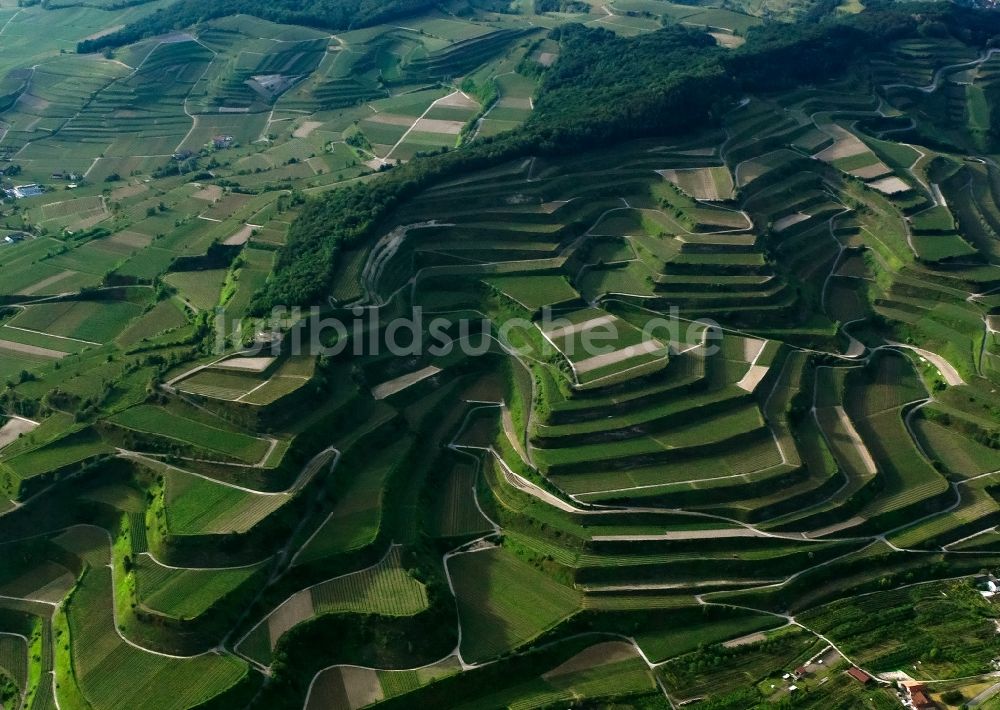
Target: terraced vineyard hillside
pixel 712 416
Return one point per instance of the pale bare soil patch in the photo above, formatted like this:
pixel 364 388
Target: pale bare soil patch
pixel 209 193
pixel 294 611
pixel 789 221
pixel 525 486
pixel 327 691
pixel 45 283
pixel 837 527
pixel 890 185
pixel 700 183
pixel 457 100
pixel 31 350
pixel 347 687
pixel 574 328
pixel 241 237
pixel 744 640
pixel 361 685
pixel 753 377
pixel 599 361
pixel 752 348
pixel 510 431
pixel 13 428
pixel 601 654
pixel 856 441
pixel 387 389
pixel 846 145
pixel 306 129
pixel 247 364
pixel 724 39
pixel 437 125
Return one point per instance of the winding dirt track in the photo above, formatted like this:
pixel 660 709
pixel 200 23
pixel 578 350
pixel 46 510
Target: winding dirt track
pixel 947 370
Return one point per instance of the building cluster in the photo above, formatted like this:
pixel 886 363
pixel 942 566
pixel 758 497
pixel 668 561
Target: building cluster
pixel 913 693
pixel 915 696
pixel 19 192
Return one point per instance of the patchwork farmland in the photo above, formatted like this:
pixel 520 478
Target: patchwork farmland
pixel 715 416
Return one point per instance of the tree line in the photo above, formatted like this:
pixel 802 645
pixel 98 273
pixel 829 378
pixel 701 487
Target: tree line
pixel 325 14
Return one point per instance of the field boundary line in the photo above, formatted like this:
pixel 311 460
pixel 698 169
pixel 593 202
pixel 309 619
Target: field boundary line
pixel 52 335
pixel 305 590
pixel 10 19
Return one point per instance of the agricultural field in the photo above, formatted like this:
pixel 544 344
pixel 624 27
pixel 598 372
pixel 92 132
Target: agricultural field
pixel 110 664
pixel 198 506
pixel 199 434
pixel 356 518
pixel 498 354
pixel 385 589
pixel 186 593
pixel 504 603
pixel 956 637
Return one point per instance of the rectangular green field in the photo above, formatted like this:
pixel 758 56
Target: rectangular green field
pixel 96 321
pixel 504 602
pixel 156 420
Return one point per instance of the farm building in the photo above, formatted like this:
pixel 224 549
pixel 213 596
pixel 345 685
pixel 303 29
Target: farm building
pixel 220 142
pixel 859 675
pixel 917 693
pixel 15 237
pixel 19 192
